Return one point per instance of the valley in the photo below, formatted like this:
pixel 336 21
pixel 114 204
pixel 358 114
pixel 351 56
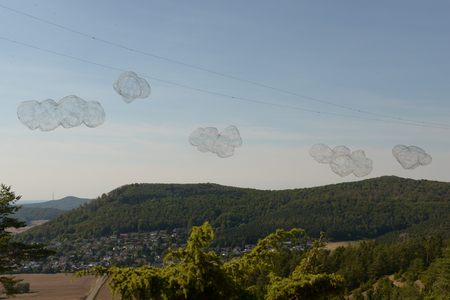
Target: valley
pixel 377 227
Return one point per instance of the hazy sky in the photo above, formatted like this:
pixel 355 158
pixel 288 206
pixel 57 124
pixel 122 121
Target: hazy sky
pixel 383 57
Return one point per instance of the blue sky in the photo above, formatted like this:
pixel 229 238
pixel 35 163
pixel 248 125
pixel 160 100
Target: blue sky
pixel 383 57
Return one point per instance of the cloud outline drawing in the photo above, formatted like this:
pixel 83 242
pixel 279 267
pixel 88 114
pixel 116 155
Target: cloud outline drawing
pixel 209 140
pixel 70 111
pixel 341 161
pixel 411 157
pixel 130 87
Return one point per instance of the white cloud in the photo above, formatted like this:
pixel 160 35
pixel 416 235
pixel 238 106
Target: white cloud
pixel 341 161
pixel 209 140
pixel 411 157
pixel 70 111
pixel 130 87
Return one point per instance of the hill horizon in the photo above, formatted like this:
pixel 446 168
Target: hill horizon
pixel 27 202
pixel 356 210
pixel 66 203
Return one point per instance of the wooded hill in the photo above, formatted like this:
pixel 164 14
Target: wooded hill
pixel 364 209
pixel 49 209
pixel 66 203
pixel 28 214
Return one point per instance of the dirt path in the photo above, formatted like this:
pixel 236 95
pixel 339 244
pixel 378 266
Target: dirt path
pixel 96 287
pixel 105 293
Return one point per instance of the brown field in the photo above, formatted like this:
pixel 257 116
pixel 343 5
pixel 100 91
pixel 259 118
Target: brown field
pixel 333 245
pixel 38 222
pixel 104 292
pixel 56 287
pixel 22 229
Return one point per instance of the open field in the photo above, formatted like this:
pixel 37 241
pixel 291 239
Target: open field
pixel 19 230
pixel 38 222
pixel 333 245
pixel 56 287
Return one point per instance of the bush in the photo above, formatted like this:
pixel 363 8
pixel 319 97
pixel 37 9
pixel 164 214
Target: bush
pixel 23 287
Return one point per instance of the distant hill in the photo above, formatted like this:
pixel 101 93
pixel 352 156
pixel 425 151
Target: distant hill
pixel 365 209
pixel 49 209
pixel 66 203
pixel 28 214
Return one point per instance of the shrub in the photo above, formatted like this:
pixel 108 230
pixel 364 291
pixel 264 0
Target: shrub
pixel 23 287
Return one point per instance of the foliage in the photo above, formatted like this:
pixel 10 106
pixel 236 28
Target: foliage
pixel 192 273
pixel 425 259
pixel 432 226
pixel 23 287
pixel 372 260
pixel 437 278
pixel 305 283
pixel 346 211
pixel 13 254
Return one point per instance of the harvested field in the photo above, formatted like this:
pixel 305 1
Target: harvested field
pixel 38 222
pixel 334 245
pixel 56 287
pixel 104 292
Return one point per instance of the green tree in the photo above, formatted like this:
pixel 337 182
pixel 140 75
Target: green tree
pixel 102 253
pixel 384 290
pixel 437 278
pixel 23 287
pixel 410 291
pixel 305 282
pixel 196 274
pixel 14 254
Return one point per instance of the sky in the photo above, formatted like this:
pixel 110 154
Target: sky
pixel 287 74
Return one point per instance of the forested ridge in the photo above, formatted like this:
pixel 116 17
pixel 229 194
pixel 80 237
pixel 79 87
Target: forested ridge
pixel 364 209
pixel 28 214
pixel 49 209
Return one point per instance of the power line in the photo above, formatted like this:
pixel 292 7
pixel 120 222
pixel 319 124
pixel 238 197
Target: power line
pixel 223 95
pixel 221 74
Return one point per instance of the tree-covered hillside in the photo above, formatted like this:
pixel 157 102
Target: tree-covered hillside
pixel 28 214
pixel 364 209
pixel 49 209
pixel 439 225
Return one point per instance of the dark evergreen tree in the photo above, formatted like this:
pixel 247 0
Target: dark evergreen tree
pixel 14 254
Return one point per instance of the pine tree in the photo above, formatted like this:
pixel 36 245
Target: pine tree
pixel 13 254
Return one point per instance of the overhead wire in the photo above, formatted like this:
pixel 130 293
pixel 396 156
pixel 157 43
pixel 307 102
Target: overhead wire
pixel 222 74
pixel 219 94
